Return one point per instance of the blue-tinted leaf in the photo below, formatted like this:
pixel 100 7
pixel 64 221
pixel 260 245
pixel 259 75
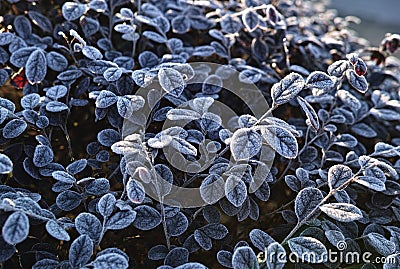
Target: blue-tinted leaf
pixel 42 156
pixel 158 252
pixel 303 245
pixel 281 140
pixel 338 68
pixel 69 75
pixel 338 175
pixel 153 36
pixel 225 258
pixel 202 239
pixel 89 25
pixel 106 204
pixel 99 186
pixel 63 177
pixel 177 256
pixel 92 53
pixel 307 201
pixel 385 114
pixel 287 88
pixel 68 200
pixel 72 11
pixel 56 61
pixel 46 264
pixel 112 73
pixel 203 51
pixel 57 231
pixel 147 218
pixel 212 85
pixel 121 220
pixel 162 24
pixel 245 143
pixel 56 92
pixel 342 211
pixel 135 191
pixel 56 106
pixel 6 38
pixel 7 104
pixel 230 24
pixel 30 101
pixel 215 231
pixel 3 74
pixel 106 99
pixel 235 190
pixel 107 137
pixel 103 156
pixel 86 223
pixel 124 28
pixel 212 188
pixel 125 62
pixel 6 165
pixel 148 59
pixel 312 117
pixel 250 76
pixel 320 81
pixel 126 105
pixel 260 239
pixel 16 228
pixel 110 260
pixel 14 128
pixel 358 82
pixel 76 166
pixel 381 244
pixel 191 265
pixel 372 183
pixel 276 256
pixel 6 250
pixel 98 67
pixel 364 130
pixel 80 251
pixel 250 20
pixel 20 56
pixel 22 26
pixel 171 81
pixel 335 237
pixel 244 258
pixel 36 67
pixel 349 100
pixel 180 24
pixel 177 224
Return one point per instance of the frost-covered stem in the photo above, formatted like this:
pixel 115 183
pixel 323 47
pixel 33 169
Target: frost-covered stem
pixel 266 114
pixel 329 195
pixel 280 208
pixel 68 139
pixel 103 231
pixel 123 183
pixel 139 4
pixel 111 20
pixel 113 172
pixel 286 49
pixel 302 222
pixel 164 224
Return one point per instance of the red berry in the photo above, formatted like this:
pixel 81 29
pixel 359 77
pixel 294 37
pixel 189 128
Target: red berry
pixel 360 67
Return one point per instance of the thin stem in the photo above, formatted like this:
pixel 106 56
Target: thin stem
pixel 68 139
pixel 309 215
